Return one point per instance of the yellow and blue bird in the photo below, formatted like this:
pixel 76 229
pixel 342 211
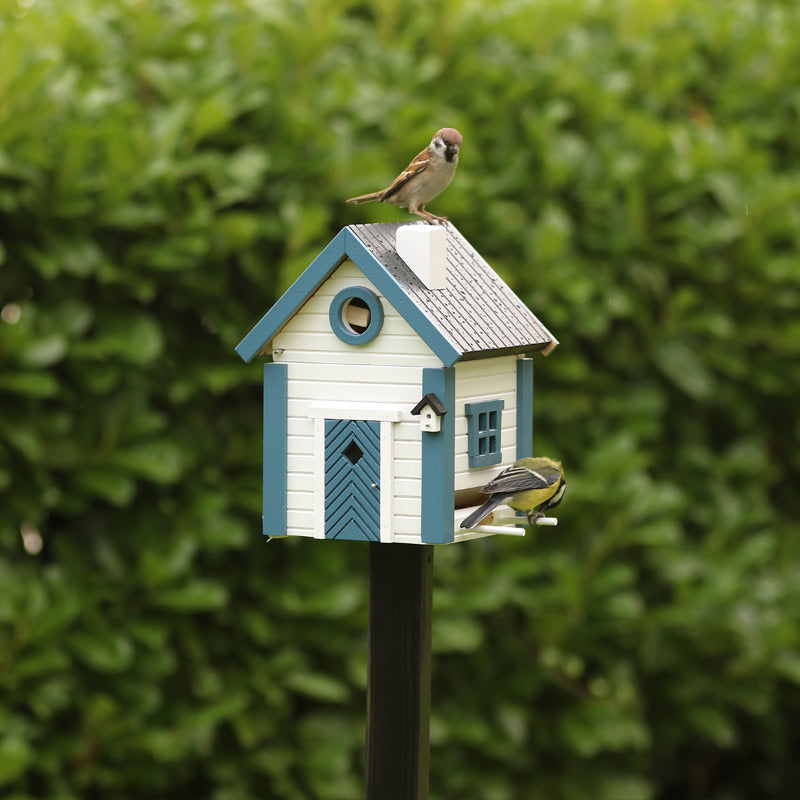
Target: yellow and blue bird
pixel 532 485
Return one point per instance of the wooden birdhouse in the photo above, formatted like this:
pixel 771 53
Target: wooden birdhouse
pixel 398 381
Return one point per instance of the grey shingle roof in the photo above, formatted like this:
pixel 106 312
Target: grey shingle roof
pixel 476 311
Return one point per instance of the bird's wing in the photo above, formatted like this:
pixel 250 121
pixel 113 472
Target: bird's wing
pixel 518 479
pixel 419 164
pixel 480 513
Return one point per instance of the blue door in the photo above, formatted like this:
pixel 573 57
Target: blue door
pixel 352 479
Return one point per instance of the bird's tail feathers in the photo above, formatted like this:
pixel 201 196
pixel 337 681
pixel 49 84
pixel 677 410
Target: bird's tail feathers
pixel 365 198
pixel 476 516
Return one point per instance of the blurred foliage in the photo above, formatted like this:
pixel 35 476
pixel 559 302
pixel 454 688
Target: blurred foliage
pixel 167 167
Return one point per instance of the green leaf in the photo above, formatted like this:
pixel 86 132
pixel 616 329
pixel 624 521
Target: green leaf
pixel 170 561
pixel 456 634
pixel 109 483
pixel 160 460
pixel 16 755
pixel 105 651
pixel 134 337
pixel 598 726
pixel 45 351
pixel 788 665
pixel 317 686
pixel 30 384
pixel 714 723
pixel 682 366
pixel 197 595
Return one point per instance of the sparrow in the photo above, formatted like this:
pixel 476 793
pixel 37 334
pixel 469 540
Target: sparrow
pixel 426 176
pixel 532 485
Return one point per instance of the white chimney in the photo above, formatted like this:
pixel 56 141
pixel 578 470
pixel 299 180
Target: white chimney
pixel 422 247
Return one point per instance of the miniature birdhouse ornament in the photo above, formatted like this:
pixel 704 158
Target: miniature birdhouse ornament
pixel 398 381
pixel 430 410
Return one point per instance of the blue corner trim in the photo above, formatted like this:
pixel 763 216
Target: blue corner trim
pixel 438 461
pixel 314 274
pixel 484 432
pixel 395 294
pixel 276 393
pixel 524 407
pixel 337 310
pixel 344 244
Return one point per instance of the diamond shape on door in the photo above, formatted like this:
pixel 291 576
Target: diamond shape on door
pixel 353 452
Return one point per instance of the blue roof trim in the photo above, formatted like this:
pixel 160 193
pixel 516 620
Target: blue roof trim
pixel 345 244
pixel 396 295
pixel 294 297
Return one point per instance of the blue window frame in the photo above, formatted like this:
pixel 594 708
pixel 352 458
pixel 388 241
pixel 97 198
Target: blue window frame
pixel 484 421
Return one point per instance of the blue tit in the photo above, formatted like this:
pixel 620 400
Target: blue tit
pixel 532 485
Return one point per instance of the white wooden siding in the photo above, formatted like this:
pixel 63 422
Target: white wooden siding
pixel 307 336
pixel 312 385
pixel 485 379
pixel 325 370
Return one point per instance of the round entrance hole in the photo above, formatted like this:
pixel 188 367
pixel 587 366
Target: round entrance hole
pixel 357 315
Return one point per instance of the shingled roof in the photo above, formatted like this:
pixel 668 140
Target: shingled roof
pixel 475 315
pixel 476 310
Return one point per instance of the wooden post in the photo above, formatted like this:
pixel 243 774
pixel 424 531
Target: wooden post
pixel 399 671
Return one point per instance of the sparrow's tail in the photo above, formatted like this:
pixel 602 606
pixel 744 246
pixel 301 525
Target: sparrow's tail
pixel 365 198
pixel 476 516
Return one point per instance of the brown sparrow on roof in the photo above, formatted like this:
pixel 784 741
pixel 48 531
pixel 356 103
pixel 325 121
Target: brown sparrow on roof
pixel 426 176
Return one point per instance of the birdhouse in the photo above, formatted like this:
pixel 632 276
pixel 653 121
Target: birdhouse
pixel 430 411
pixel 398 380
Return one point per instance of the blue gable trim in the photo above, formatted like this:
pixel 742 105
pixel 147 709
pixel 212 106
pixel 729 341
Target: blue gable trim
pixel 524 407
pixel 438 461
pixel 346 244
pixel 316 272
pixel 394 293
pixel 276 390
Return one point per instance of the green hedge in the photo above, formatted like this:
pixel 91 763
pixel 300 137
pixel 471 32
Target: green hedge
pixel 167 169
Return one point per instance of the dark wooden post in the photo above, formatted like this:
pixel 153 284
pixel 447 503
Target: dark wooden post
pixel 399 671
